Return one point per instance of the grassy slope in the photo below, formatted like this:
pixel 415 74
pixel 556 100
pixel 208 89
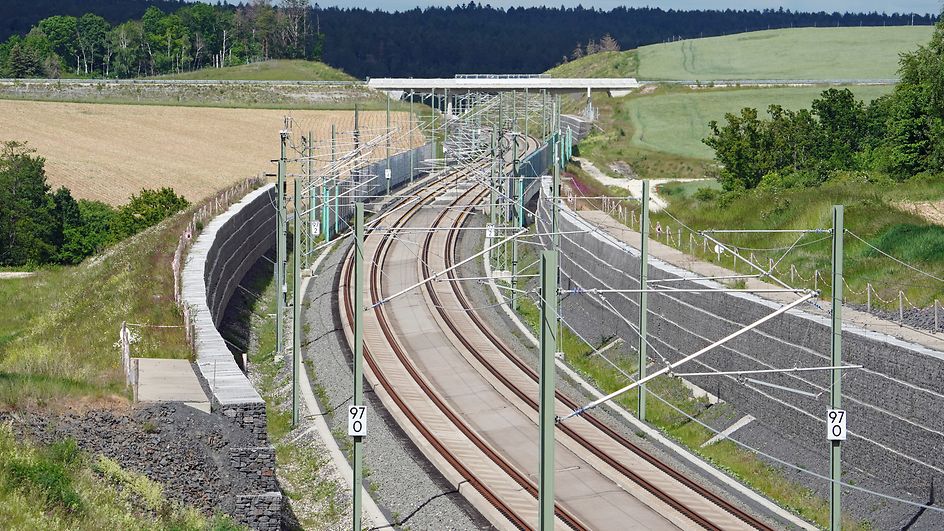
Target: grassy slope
pixel 604 64
pixel 802 53
pixel 676 122
pixel 274 70
pixel 59 488
pixel 58 330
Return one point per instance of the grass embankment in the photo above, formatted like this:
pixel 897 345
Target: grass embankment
pixel 870 212
pixel 610 371
pixel 801 54
pixel 60 487
pixel 302 469
pixel 273 70
pixel 59 328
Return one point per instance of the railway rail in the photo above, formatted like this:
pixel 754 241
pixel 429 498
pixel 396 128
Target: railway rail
pixel 602 462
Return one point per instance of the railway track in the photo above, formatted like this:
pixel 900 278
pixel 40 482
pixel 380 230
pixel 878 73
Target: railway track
pixel 600 459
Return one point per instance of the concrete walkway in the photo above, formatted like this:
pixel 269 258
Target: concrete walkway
pixel 163 380
pixel 677 258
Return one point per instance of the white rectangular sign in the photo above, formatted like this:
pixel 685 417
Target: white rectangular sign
pixel 357 421
pixel 489 231
pixel 387 173
pixel 836 424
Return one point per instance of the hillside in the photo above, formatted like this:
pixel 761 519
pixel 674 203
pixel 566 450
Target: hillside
pixel 801 53
pixel 274 70
pixel 677 121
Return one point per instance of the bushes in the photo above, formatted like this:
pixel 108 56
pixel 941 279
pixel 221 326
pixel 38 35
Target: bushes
pixel 899 135
pixel 41 227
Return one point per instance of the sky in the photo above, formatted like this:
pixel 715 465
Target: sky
pixel 907 6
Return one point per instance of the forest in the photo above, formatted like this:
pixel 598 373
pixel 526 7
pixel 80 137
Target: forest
pixel 191 37
pixel 898 136
pixel 129 38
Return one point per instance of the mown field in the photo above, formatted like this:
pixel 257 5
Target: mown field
pixel 274 70
pixel 108 152
pixel 676 122
pixel 800 53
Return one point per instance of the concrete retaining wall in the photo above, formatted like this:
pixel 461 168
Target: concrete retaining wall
pixel 222 253
pixel 218 260
pixel 893 404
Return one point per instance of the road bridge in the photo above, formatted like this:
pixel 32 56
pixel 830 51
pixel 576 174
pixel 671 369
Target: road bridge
pixel 500 83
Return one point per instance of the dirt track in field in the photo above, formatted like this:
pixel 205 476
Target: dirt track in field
pixel 108 152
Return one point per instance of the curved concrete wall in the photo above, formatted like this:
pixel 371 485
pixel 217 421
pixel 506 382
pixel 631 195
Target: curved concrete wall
pixel 219 258
pixel 893 404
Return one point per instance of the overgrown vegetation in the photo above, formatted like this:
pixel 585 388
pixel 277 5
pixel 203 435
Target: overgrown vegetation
pixel 899 135
pixel 59 487
pixel 58 329
pixel 39 227
pixel 316 498
pixel 272 70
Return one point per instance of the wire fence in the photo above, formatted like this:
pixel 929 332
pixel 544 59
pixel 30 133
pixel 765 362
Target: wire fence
pixel 885 301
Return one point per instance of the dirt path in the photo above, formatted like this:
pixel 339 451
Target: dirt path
pixel 633 186
pixel 932 211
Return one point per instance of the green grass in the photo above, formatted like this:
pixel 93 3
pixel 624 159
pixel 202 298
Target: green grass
pixel 303 471
pixel 676 122
pixel 869 213
pixel 59 328
pixel 274 70
pixel 57 487
pixel 603 64
pixel 801 53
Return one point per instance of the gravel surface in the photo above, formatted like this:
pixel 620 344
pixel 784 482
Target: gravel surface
pixel 185 450
pixel 920 318
pixel 481 297
pixel 410 489
pixel 881 514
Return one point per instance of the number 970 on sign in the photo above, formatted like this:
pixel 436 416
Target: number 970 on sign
pixel 357 421
pixel 836 424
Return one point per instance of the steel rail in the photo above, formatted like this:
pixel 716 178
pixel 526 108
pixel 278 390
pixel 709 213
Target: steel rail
pixel 462 469
pixel 449 256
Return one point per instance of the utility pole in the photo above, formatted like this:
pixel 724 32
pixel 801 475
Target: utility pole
pixel 516 200
pixel 312 214
pixel 412 151
pixel 643 298
pixel 326 202
pixel 835 390
pixel 547 418
pixel 387 175
pixel 543 114
pixel 280 253
pixel 358 458
pixel 527 111
pixel 296 304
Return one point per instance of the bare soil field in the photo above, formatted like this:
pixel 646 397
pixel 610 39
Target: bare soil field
pixel 108 152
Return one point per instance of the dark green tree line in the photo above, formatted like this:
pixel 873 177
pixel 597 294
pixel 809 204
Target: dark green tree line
pixel 898 135
pixel 38 226
pixel 194 36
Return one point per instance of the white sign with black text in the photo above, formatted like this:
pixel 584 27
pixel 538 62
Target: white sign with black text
pixel 357 421
pixel 836 424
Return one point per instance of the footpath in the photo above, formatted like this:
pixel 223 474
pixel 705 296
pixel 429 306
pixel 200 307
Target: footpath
pixel 851 318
